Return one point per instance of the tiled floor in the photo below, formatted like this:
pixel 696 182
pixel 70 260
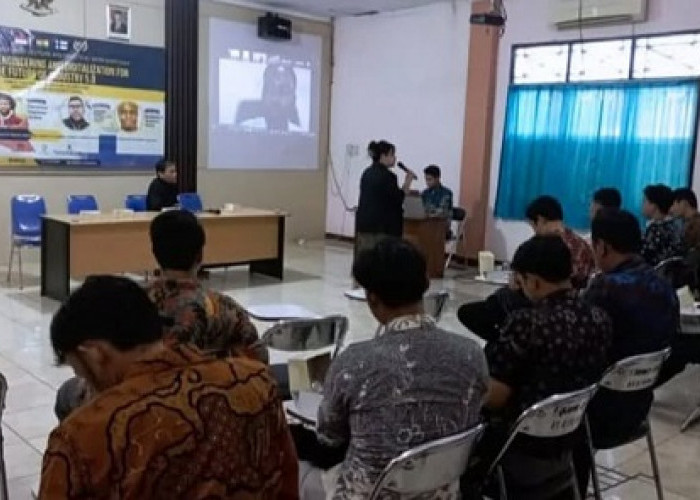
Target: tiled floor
pixel 317 274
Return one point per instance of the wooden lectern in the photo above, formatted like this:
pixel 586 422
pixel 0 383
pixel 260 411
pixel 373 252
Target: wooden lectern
pixel 428 234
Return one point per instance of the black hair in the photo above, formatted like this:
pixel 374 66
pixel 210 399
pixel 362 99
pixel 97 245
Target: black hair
pixel 659 195
pixel 608 197
pixel 162 165
pixel 109 308
pixel 377 149
pixel 177 240
pixel 619 229
pixel 686 194
pixel 75 98
pixel 546 256
pixel 546 207
pixel 433 171
pixel 10 99
pixel 394 270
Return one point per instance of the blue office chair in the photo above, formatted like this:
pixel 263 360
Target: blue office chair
pixel 25 212
pixel 190 202
pixel 77 203
pixel 136 202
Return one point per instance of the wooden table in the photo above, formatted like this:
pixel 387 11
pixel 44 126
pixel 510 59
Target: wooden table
pixel 429 236
pixel 76 246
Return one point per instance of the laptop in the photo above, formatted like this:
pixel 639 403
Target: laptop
pixel 413 208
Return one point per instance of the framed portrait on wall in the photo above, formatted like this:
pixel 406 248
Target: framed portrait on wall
pixel 118 22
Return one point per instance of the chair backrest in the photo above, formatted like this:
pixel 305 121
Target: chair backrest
pixel 307 334
pixel 136 202
pixel 459 214
pixel 635 373
pixel 76 203
pixel 428 467
pixel 676 271
pixel 26 211
pixel 555 417
pixel 190 202
pixel 434 303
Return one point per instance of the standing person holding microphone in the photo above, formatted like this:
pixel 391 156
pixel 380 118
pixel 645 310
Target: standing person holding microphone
pixel 380 210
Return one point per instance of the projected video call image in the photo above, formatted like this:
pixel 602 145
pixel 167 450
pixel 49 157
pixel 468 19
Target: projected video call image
pixel 272 95
pixel 264 99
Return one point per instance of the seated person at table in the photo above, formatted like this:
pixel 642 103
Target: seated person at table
pixel 166 422
pixel 643 308
pixel 685 207
pixel 559 345
pixel 163 191
pixel 413 384
pixel 662 239
pixel 545 215
pixel 604 198
pixel 437 199
pixel 213 322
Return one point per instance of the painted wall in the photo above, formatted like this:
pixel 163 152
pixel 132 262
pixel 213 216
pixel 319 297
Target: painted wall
pixel 401 77
pixel 78 18
pixel 528 22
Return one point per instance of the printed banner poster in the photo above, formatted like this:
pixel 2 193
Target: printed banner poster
pixel 72 102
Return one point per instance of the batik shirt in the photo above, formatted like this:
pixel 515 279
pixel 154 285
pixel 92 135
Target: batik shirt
pixel 413 384
pixel 179 426
pixel 437 201
pixel 210 320
pixel 662 241
pixel 559 345
pixel 691 233
pixel 582 258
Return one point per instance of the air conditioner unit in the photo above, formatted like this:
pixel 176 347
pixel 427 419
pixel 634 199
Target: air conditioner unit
pixel 570 14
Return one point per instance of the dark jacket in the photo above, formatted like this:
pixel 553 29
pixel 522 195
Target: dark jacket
pixel 381 202
pixel 161 195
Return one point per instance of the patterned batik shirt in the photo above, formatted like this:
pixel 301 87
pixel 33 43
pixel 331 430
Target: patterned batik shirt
pixel 691 233
pixel 413 384
pixel 662 240
pixel 179 426
pixel 437 201
pixel 559 345
pixel 208 319
pixel 582 258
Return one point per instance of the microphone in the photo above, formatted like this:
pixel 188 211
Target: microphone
pixel 402 167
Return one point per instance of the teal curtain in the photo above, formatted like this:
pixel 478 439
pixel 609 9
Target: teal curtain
pixel 569 140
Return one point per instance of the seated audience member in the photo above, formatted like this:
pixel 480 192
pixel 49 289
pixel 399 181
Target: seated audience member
pixel 413 384
pixel 685 207
pixel 163 191
pixel 644 311
pixel 545 215
pixel 605 198
pixel 166 422
pixel 437 199
pixel 213 322
pixel 559 345
pixel 662 239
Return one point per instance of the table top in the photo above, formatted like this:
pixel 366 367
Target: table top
pixel 305 407
pixel 500 278
pixel 278 312
pixel 117 217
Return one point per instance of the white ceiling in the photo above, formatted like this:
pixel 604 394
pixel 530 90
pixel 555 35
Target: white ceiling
pixel 336 8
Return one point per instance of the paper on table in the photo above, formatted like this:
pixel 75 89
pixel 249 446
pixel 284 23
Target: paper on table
pixel 305 407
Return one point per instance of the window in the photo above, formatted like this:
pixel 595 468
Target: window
pixel 637 58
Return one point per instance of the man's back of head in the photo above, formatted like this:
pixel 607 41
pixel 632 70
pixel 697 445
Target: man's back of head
pixel 616 236
pixel 177 240
pixel 543 265
pixel 685 203
pixel 545 214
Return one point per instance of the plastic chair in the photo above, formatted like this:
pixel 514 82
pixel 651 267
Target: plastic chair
pixel 459 219
pixel 26 211
pixel 77 203
pixel 676 271
pixel 434 303
pixel 3 468
pixel 190 202
pixel 307 334
pixel 556 417
pixel 636 373
pixel 136 202
pixel 428 468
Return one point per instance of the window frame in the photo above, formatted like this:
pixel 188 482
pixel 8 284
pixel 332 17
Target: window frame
pixel 570 42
